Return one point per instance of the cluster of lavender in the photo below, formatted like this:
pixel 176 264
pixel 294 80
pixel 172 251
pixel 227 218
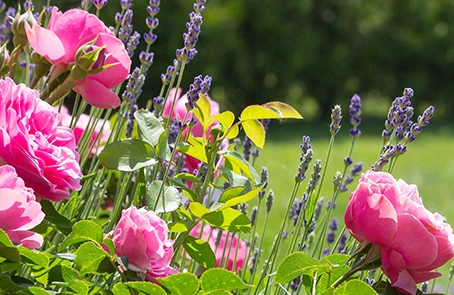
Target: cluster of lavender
pixel 199 87
pixel 188 52
pixel 305 159
pixel 331 235
pixel 336 117
pixel 354 172
pixel 400 129
pixel 355 115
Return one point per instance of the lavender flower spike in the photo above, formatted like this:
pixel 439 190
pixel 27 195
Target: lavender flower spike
pixel 355 113
pixel 336 117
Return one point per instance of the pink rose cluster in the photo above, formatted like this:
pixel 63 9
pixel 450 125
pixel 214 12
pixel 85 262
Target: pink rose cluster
pixel 19 210
pixel 42 152
pixel 102 129
pixel 142 237
pixel 66 33
pixel 391 215
pixel 179 111
pixel 235 253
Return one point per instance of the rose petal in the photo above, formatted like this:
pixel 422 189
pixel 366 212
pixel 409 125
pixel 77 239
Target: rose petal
pixel 97 94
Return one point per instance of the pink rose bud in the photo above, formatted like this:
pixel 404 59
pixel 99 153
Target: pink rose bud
pixel 390 214
pixel 142 237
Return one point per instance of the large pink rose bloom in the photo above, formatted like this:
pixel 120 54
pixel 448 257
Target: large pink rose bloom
pixel 236 256
pixel 102 129
pixel 43 153
pixel 179 112
pixel 142 237
pixel 390 214
pixel 65 35
pixel 19 211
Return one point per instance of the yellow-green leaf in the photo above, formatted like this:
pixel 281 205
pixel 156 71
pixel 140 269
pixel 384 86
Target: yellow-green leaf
pixel 226 119
pixel 194 149
pixel 255 112
pixel 203 110
pixel 198 209
pixel 284 110
pixel 255 131
pixel 233 133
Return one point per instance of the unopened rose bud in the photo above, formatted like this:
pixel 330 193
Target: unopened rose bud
pixel 4 60
pixel 18 27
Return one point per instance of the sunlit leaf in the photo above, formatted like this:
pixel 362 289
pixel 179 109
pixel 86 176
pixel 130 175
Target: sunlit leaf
pixel 255 131
pixel 218 279
pixel 200 251
pixel 128 155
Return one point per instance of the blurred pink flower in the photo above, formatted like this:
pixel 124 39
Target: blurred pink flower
pixel 43 153
pixel 179 112
pixel 236 256
pixel 66 33
pixel 82 126
pixel 390 214
pixel 19 211
pixel 142 237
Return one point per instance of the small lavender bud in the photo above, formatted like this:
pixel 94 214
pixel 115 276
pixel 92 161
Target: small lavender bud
pixel 126 4
pixel 337 181
pixel 330 237
pixel 408 93
pixel 400 149
pixel 342 243
pixel 99 4
pixel 254 215
pixel 334 224
pixel 336 117
pixel 348 161
pixel 269 201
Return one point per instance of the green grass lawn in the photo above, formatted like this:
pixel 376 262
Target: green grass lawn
pixel 428 163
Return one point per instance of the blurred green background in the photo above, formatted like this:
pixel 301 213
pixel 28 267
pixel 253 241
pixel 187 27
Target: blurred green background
pixel 310 53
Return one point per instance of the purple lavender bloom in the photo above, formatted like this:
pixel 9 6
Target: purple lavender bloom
pixel 247 145
pixel 336 117
pixel 200 86
pixel 342 243
pixel 330 237
pixel 99 4
pixel 126 4
pixel 348 161
pixel 150 38
pixel 2 6
pixel 315 176
pixel 133 41
pixel 28 5
pixel 334 224
pixel 355 115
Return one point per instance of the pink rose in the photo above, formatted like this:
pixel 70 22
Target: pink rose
pixel 66 33
pixel 390 214
pixel 43 153
pixel 102 127
pixel 179 111
pixel 19 211
pixel 142 237
pixel 236 256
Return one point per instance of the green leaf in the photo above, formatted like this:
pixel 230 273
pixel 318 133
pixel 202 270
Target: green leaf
pixel 33 257
pixel 62 223
pixel 200 251
pixel 187 177
pixel 338 268
pixel 84 230
pixel 143 287
pixel 71 276
pixel 354 287
pixel 255 131
pixel 128 155
pixel 169 201
pixel 284 110
pixel 162 149
pixel 230 193
pixel 233 178
pixel 194 149
pixel 10 253
pixel 198 209
pixel 181 284
pixel 229 219
pixel 150 127
pixel 38 291
pixel 202 111
pixel 235 159
pixel 178 227
pixel 4 239
pixel 226 120
pixel 218 279
pixel 241 199
pixel 255 112
pixel 297 264
pixel 233 132
pixel 89 257
pixel 8 286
